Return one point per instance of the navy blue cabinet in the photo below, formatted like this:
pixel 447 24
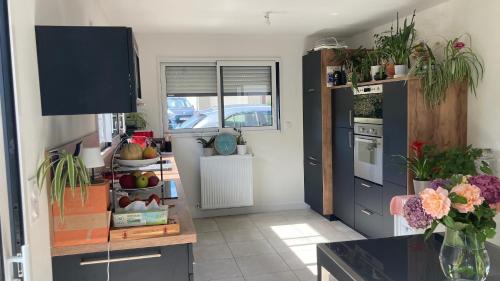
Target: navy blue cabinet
pixel 342 107
pixel 395 132
pixel 173 263
pixel 87 70
pixel 343 175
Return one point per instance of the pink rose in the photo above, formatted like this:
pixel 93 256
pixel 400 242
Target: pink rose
pixel 435 202
pixel 470 192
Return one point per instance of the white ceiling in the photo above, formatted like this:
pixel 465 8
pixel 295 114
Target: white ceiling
pixel 301 17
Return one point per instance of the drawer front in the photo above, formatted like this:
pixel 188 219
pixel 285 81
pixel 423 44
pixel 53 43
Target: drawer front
pixel 368 222
pixel 129 265
pixel 369 195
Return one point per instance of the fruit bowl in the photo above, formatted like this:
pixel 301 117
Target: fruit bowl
pixel 138 163
pixel 136 189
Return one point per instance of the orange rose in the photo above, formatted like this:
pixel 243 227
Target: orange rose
pixel 435 202
pixel 470 192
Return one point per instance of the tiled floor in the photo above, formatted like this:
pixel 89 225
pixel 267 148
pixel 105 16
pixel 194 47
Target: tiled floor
pixel 278 246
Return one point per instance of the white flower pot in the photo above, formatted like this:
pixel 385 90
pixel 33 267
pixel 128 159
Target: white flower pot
pixel 400 70
pixel 208 151
pixel 242 149
pixel 374 70
pixel 419 186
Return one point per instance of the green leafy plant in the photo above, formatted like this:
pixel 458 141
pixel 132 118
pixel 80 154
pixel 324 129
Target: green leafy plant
pixel 239 138
pixel 397 43
pixel 357 63
pixel 453 161
pixel 67 170
pixel 136 119
pixel 206 143
pixel 458 65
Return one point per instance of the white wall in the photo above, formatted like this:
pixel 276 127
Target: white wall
pixel 278 171
pixel 480 20
pixel 37 133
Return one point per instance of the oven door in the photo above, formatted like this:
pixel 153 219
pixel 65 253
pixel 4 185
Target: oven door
pixel 368 158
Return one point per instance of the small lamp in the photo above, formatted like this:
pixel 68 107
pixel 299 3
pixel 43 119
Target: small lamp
pixel 91 157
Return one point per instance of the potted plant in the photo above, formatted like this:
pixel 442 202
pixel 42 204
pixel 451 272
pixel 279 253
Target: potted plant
pixel 466 206
pixel 208 145
pixel 241 144
pixel 459 64
pixel 136 120
pixel 398 43
pixel 72 196
pixel 420 165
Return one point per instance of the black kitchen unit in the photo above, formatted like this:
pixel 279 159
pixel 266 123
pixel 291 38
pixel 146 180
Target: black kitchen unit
pixel 343 155
pixel 365 173
pixel 87 70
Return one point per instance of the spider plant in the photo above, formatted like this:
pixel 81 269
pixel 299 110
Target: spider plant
pixel 206 143
pixel 67 169
pixel 459 64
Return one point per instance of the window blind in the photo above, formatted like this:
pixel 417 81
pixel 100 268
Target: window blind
pixel 246 80
pixel 191 81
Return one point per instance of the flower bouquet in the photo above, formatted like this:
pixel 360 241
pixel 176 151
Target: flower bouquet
pixel 466 206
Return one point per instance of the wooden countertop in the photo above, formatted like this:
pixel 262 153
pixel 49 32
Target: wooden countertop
pixel 181 210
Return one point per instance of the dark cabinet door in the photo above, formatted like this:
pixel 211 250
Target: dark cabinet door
pixel 313 185
pixel 343 175
pixel 311 99
pixel 395 131
pixel 86 70
pixel 342 106
pixel 154 264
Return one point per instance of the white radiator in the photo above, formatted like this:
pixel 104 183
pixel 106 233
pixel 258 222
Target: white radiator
pixel 226 181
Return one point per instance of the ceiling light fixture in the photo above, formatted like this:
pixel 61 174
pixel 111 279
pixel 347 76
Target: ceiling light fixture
pixel 267 17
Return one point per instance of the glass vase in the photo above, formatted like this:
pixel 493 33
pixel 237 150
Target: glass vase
pixel 463 256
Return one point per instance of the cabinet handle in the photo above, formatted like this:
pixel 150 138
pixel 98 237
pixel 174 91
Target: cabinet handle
pixel 311 90
pixel 366 212
pixel 312 158
pixel 349 135
pixel 313 164
pixel 365 185
pixel 133 258
pixel 350 118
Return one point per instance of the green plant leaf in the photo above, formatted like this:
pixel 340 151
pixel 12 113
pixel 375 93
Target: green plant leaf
pixel 71 171
pixel 455 198
pixel 428 232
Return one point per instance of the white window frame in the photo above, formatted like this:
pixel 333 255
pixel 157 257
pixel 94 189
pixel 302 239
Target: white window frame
pixel 218 63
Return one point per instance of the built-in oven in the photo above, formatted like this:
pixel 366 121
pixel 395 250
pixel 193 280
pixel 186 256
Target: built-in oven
pixel 368 104
pixel 368 153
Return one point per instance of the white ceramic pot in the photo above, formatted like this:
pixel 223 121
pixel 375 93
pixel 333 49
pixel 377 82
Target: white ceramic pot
pixel 419 186
pixel 400 70
pixel 208 151
pixel 242 149
pixel 374 70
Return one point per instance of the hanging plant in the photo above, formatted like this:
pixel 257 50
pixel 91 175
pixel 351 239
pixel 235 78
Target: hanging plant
pixel 459 64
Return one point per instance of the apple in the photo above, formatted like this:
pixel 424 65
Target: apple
pixel 141 182
pixel 154 197
pixel 136 174
pixel 153 181
pixel 149 174
pixel 124 202
pixel 149 153
pixel 127 181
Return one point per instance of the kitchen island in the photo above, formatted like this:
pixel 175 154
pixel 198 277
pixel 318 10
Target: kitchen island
pixel 391 259
pixel 160 258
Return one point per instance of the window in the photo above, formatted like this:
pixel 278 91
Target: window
pixel 220 94
pixel 109 126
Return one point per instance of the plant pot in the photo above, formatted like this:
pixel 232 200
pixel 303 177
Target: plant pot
pixel 419 186
pixel 400 70
pixel 208 151
pixel 389 69
pixel 374 69
pixel 86 223
pixel 463 256
pixel 242 149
